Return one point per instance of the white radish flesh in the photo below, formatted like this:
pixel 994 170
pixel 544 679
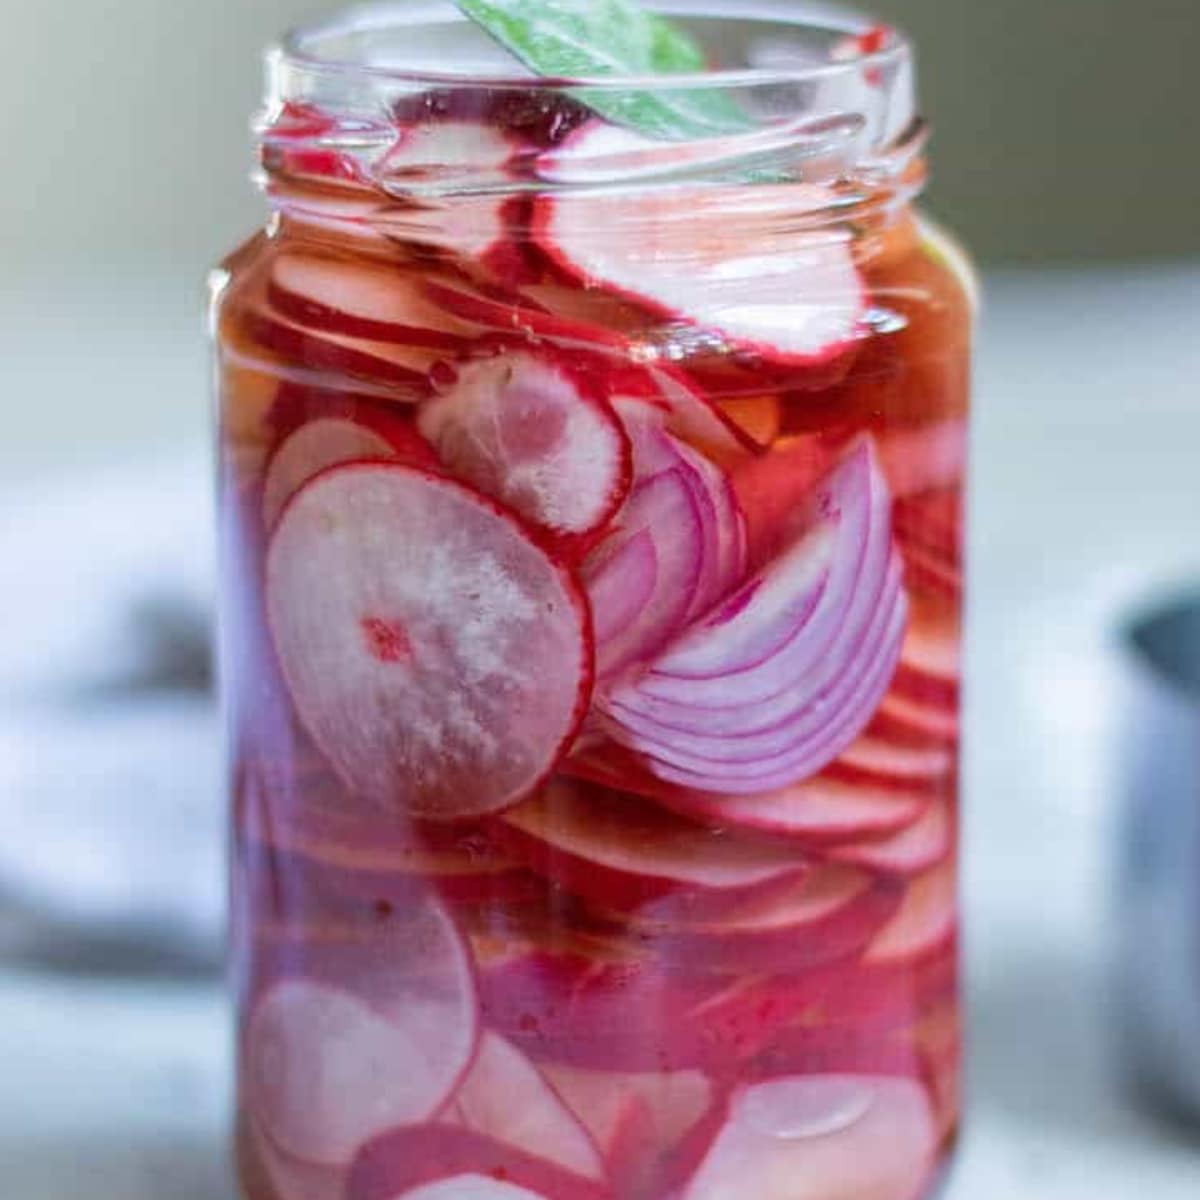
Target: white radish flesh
pixel 821 1137
pixel 436 655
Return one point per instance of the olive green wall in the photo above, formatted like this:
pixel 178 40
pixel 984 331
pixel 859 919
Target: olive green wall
pixel 1066 128
pixel 1063 128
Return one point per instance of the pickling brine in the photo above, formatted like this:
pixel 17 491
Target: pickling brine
pixel 592 470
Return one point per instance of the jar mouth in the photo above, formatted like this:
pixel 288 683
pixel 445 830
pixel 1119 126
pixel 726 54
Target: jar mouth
pixel 825 95
pixel 776 43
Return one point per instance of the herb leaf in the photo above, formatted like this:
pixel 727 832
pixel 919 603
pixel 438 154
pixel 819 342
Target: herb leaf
pixel 572 38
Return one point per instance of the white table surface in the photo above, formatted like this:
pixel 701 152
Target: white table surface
pixel 1087 490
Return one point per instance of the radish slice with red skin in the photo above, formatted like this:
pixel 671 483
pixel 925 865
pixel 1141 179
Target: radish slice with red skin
pixel 915 721
pixel 672 1101
pixel 471 1187
pixel 921 846
pixel 522 319
pixel 402 369
pixel 623 1012
pixel 506 1097
pixel 327 1068
pixel 931 657
pixel 796 297
pixel 622 853
pixel 933 521
pixel 525 428
pixel 294 1179
pixel 327 441
pixel 431 147
pixel 414 1157
pixel 817 811
pixel 599 152
pixel 821 1137
pixel 931 576
pixel 637 1119
pixel 924 458
pixel 437 657
pixel 477 226
pixel 872 759
pixel 377 304
pixel 832 912
pixel 927 919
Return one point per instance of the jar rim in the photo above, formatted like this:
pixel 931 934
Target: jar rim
pixel 866 46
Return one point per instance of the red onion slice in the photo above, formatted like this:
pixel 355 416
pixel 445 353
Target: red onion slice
pixel 785 675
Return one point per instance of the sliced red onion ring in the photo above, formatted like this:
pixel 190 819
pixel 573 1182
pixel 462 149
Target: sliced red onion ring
pixel 749 700
pixel 679 544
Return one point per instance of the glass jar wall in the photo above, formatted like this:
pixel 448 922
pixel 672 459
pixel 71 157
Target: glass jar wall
pixel 592 538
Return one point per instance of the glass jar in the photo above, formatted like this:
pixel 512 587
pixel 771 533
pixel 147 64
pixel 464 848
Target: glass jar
pixel 591 528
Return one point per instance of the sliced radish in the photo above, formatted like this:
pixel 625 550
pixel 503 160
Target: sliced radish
pixel 877 761
pixel 471 1187
pixel 435 147
pixel 401 369
pixel 409 1160
pixel 624 853
pixel 527 429
pixel 919 847
pixel 926 920
pixel 294 1179
pixel 475 225
pixel 932 576
pixel 360 1039
pixel 832 912
pixel 507 317
pixel 506 1097
pixel 372 433
pixel 672 1101
pixel 599 152
pixel 346 854
pixel 570 1001
pixel 636 1118
pixel 818 810
pixel 785 674
pixel 934 522
pixel 916 721
pixel 821 1137
pixel 930 660
pixel 437 657
pixel 738 266
pixel 381 304
pixel 924 458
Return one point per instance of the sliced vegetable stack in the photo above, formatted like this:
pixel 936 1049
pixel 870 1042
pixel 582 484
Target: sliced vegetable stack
pixel 597 647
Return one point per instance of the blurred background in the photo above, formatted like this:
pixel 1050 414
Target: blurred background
pixel 1065 155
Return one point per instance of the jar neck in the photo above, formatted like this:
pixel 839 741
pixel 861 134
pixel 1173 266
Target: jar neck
pixel 356 132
